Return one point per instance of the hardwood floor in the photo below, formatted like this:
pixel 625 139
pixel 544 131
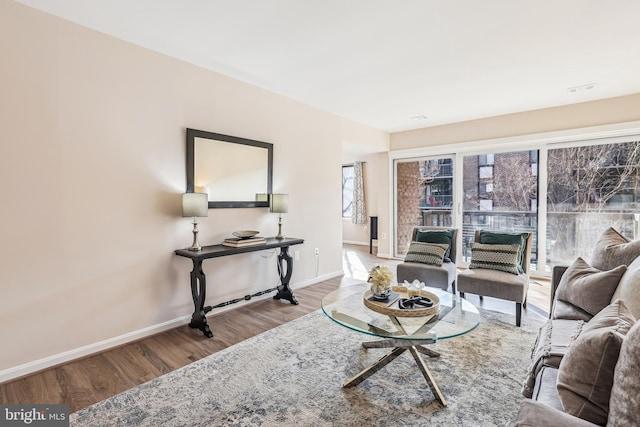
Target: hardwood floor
pixel 84 382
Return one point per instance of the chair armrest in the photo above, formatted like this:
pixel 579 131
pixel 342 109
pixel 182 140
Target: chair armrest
pixel 556 275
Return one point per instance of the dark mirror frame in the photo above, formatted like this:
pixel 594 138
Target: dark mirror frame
pixel 192 134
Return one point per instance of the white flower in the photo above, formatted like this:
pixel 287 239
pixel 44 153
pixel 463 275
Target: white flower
pixel 380 275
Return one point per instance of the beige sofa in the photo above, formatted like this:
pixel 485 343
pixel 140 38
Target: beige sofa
pixel 585 368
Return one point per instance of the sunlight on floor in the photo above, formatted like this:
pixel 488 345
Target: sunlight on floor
pixel 353 266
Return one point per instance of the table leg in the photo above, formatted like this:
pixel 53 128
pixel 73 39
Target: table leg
pixel 428 376
pixel 401 346
pixel 384 361
pixel 199 294
pixel 284 291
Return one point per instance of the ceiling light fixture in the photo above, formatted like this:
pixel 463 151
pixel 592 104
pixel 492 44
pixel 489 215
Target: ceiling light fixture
pixel 581 88
pixel 419 117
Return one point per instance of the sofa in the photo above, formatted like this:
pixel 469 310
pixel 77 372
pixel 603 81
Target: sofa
pixel 585 364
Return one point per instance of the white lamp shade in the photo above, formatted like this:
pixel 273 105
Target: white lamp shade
pixel 195 204
pixel 279 203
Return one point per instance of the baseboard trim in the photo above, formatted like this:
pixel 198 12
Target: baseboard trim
pixel 357 243
pixel 100 346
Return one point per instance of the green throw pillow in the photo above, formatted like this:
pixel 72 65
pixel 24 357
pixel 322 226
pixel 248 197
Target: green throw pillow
pixel 426 253
pixel 431 236
pixel 495 257
pixel 491 238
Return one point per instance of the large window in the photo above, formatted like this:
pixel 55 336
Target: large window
pixel 500 194
pixel 564 192
pixel 590 188
pixel 424 196
pixel 347 190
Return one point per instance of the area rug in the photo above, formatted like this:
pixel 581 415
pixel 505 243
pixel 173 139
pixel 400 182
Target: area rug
pixel 292 376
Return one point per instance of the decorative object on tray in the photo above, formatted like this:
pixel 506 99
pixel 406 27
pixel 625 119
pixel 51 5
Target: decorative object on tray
pixel 380 277
pixel 240 242
pixel 245 234
pixel 393 308
pixel 415 301
pixel 414 287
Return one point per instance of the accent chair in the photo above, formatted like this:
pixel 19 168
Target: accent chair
pixel 434 275
pixel 491 275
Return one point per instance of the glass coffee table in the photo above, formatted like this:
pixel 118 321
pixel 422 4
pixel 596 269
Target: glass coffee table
pixel 456 316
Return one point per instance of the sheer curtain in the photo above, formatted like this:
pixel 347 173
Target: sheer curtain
pixel 359 214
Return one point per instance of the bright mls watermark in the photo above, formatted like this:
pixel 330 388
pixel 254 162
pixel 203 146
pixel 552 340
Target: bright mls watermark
pixel 34 415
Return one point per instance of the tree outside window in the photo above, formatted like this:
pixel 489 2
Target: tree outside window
pixel 347 190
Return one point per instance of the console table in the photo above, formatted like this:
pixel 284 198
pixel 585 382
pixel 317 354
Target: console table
pixel 199 281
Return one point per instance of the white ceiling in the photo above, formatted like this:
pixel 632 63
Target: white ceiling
pixel 381 62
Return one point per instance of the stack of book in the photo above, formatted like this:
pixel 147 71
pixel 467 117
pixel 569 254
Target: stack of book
pixel 236 242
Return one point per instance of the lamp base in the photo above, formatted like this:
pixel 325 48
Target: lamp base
pixel 279 236
pixel 195 246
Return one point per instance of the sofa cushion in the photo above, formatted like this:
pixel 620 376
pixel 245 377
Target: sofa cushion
pixel 495 257
pixel 587 287
pixel 624 405
pixel 629 288
pixel 536 414
pixel 551 345
pixel 491 238
pixel 585 375
pixel 545 390
pixel 613 249
pixel 442 237
pixel 426 253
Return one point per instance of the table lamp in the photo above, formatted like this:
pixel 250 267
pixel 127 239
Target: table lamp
pixel 279 203
pixel 195 205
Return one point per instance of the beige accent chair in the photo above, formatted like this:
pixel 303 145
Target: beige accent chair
pixel 431 275
pixel 499 284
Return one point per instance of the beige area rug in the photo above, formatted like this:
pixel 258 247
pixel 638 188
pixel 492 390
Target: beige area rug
pixel 292 376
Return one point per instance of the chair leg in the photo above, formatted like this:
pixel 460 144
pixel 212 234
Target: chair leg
pixel 461 294
pixel 453 287
pixel 524 304
pixel 481 298
pixel 518 313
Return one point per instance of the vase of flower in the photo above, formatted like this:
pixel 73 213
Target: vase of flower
pixel 380 277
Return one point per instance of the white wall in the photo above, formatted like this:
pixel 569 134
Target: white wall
pixel 92 166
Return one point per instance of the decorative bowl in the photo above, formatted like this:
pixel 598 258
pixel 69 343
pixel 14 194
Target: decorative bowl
pixel 245 234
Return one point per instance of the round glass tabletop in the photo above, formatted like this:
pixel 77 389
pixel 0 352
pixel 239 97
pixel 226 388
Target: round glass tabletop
pixel 456 316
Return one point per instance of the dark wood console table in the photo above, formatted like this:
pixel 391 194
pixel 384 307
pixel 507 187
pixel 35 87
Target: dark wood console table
pixel 199 281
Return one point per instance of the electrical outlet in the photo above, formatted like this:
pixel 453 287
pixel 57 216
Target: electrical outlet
pixel 383 236
pixel 296 255
pixel 317 251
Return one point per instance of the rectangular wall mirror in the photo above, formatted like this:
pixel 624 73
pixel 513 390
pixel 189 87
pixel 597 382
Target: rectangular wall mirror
pixel 231 170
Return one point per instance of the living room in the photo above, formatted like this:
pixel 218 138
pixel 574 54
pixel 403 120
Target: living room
pixel 100 124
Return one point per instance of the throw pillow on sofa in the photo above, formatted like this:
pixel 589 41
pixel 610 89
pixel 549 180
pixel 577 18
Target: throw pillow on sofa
pixel 587 287
pixel 613 249
pixel 426 253
pixel 629 288
pixel 624 404
pixel 585 375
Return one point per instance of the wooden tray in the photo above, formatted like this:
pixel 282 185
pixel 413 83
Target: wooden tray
pixel 393 309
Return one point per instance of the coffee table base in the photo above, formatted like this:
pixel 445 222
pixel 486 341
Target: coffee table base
pixel 400 346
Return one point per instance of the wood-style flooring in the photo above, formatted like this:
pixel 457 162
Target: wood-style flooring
pixel 84 382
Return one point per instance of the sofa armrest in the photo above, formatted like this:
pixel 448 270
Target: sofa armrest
pixel 556 275
pixel 536 414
